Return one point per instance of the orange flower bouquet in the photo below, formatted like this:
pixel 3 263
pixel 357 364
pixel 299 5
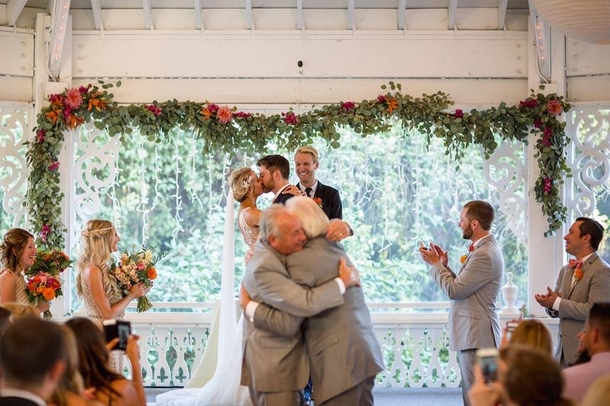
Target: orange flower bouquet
pixel 43 280
pixel 136 268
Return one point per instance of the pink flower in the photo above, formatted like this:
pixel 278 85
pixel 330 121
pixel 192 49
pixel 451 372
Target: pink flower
pixel 548 185
pixel 224 115
pixel 458 113
pixel 44 233
pixel 67 113
pixel 154 109
pixel 290 118
pixel 74 99
pixel 241 114
pixel 546 140
pixel 55 99
pixel 40 136
pixel 348 105
pixel 554 107
pixel 212 107
pixel 529 102
pixel 54 166
pixel 381 99
pixel 537 123
pixel 83 89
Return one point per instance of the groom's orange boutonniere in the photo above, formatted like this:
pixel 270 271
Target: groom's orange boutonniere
pixel 318 201
pixel 463 259
pixel 578 274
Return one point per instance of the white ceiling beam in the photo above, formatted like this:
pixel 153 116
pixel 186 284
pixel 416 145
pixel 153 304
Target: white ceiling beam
pixel 451 14
pixel 198 19
pixel 13 10
pixel 96 9
pixel 147 14
pixel 502 6
pixel 402 7
pixel 351 23
pixel 249 25
pixel 300 15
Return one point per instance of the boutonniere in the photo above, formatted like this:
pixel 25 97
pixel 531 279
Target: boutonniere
pixel 318 201
pixel 463 258
pixel 578 273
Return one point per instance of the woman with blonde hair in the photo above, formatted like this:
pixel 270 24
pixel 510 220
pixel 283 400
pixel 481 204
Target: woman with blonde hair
pixel 21 310
pixel 247 187
pixel 17 252
pixel 598 393
pixel 95 284
pixel 533 333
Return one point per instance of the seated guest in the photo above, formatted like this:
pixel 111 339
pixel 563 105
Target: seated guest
pixel 595 339
pixel 526 377
pixel 70 389
pixel 110 387
pixel 32 360
pixel 598 393
pixel 534 334
pixel 21 309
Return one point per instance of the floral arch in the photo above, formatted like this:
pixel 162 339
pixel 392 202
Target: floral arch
pixel 226 129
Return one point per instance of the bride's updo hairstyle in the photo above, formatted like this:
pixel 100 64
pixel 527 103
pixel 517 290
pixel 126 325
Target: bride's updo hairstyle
pixel 12 246
pixel 313 220
pixel 97 239
pixel 241 183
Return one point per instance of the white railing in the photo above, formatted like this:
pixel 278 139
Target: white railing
pixel 414 344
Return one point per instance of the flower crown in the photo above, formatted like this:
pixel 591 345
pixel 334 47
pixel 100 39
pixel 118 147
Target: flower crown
pixel 247 182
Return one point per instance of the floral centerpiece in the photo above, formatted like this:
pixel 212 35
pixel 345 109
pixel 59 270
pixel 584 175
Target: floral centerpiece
pixel 137 268
pixel 43 280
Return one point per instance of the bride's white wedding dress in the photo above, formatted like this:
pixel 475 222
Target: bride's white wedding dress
pixel 223 388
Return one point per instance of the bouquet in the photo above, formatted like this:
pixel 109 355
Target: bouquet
pixel 135 268
pixel 43 281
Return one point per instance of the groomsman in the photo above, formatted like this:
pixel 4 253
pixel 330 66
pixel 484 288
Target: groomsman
pixel 306 163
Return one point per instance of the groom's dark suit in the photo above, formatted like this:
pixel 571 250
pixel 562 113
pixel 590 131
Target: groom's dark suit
pixel 331 201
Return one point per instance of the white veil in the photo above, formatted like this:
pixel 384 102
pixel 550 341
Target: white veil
pixel 223 388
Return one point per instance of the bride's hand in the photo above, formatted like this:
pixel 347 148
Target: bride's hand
pixel 293 190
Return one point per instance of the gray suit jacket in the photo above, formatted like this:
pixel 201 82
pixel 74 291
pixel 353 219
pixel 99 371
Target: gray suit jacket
pixel 473 322
pixel 274 363
pixel 576 302
pixel 342 346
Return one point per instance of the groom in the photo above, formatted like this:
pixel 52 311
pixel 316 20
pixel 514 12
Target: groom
pixel 275 368
pixel 274 171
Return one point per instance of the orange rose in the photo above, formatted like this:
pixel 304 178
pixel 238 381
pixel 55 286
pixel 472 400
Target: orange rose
pixel 151 273
pixel 463 259
pixel 578 274
pixel 48 294
pixel 40 289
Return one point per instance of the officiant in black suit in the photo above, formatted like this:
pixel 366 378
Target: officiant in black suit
pixel 306 163
pixel 33 356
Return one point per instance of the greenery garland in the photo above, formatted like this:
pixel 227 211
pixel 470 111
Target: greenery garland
pixel 224 128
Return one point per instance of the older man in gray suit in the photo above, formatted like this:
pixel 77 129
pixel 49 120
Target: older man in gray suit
pixel 276 368
pixel 580 284
pixel 344 353
pixel 473 322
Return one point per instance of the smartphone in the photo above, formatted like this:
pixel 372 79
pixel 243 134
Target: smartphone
pixel 510 327
pixel 117 328
pixel 488 360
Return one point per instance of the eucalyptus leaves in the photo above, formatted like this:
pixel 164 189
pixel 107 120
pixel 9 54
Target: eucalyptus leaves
pixel 226 129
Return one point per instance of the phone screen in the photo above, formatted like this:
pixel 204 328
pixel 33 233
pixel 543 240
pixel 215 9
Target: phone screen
pixel 489 366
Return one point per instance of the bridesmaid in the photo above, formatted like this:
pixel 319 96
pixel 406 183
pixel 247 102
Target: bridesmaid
pixel 18 252
pixel 98 288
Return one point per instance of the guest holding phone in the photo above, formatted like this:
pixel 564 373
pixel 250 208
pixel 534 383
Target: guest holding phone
pixel 109 387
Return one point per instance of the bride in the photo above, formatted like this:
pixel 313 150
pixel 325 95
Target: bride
pixel 223 389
